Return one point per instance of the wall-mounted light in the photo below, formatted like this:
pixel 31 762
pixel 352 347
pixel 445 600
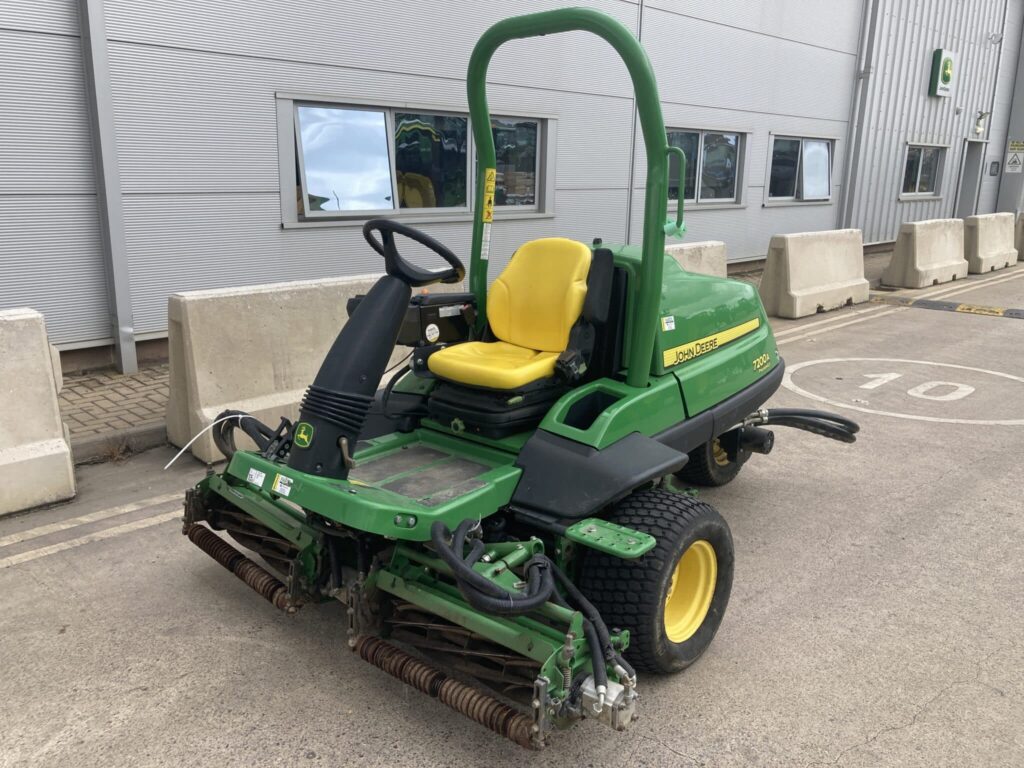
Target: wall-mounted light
pixel 979 122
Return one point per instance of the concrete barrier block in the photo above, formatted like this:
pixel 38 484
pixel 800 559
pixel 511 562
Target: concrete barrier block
pixel 705 258
pixel 35 455
pixel 254 349
pixel 927 253
pixel 988 242
pixel 812 272
pixel 1019 239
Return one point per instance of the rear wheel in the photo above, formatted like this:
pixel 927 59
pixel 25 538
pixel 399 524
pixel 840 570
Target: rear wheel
pixel 709 466
pixel 672 599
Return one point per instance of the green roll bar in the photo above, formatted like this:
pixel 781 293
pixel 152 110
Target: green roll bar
pixel 648 105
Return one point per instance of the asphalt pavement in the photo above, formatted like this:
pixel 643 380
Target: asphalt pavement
pixel 876 614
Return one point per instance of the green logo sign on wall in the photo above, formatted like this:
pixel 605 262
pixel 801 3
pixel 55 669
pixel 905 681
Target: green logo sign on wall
pixel 943 73
pixel 303 435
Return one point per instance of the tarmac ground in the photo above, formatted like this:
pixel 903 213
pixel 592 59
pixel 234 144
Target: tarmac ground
pixel 876 616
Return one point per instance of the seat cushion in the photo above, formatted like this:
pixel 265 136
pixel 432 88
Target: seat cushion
pixel 538 297
pixel 495 365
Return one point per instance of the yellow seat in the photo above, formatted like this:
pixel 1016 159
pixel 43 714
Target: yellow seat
pixel 531 308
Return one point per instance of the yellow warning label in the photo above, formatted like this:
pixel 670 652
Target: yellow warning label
pixel 693 349
pixel 487 213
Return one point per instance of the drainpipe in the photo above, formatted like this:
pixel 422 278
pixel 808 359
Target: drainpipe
pixel 96 75
pixel 855 129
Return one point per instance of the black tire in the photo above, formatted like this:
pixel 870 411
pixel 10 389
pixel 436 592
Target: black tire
pixel 709 466
pixel 632 594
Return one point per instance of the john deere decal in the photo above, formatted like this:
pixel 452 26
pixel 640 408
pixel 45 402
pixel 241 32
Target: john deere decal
pixel 303 435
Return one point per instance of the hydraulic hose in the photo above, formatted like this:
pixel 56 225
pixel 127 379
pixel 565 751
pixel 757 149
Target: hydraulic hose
pixel 479 591
pixel 822 423
pixel 223 433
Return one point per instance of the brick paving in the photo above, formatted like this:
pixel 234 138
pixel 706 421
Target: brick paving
pixel 105 403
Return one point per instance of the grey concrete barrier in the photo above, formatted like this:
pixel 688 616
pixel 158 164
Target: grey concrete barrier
pixel 812 272
pixel 927 253
pixel 988 242
pixel 35 453
pixel 254 349
pixel 1019 239
pixel 705 258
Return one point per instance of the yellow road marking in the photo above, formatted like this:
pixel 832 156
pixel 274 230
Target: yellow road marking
pixel 974 309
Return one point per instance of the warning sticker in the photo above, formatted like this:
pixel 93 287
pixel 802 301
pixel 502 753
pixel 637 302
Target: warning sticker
pixel 668 323
pixel 490 179
pixel 282 485
pixel 1014 161
pixel 256 477
pixel 1015 145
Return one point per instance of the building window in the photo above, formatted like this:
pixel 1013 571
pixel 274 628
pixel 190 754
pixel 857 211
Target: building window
pixel 801 169
pixel 431 160
pixel 355 161
pixel 344 160
pixel 713 158
pixel 515 149
pixel 922 169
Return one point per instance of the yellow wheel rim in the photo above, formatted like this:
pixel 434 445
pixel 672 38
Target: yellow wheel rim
pixel 690 591
pixel 718 453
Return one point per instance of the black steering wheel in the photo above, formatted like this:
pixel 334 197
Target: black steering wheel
pixel 398 267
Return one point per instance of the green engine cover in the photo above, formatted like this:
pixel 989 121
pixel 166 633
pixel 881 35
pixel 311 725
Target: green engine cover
pixel 713 334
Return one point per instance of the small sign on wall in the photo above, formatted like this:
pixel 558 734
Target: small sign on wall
pixel 1014 156
pixel 943 73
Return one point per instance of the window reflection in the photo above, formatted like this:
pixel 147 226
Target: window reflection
pixel 814 170
pixel 430 158
pixel 718 166
pixel 785 159
pixel 688 141
pixel 515 148
pixel 912 169
pixel 929 169
pixel 345 157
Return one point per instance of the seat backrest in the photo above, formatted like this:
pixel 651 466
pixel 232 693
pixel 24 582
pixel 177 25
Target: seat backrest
pixel 538 297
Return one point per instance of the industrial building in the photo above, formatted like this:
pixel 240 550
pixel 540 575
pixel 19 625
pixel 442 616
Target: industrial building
pixel 151 148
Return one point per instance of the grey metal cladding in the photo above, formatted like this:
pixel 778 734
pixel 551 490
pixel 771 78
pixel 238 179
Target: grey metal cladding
pixel 49 236
pixel 900 111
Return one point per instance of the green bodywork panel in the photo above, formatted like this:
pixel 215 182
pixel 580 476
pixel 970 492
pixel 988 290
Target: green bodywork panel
pixel 370 505
pixel 646 411
pixel 694 313
pixel 610 538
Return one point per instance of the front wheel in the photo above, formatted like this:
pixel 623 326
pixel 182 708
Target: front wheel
pixel 709 466
pixel 672 600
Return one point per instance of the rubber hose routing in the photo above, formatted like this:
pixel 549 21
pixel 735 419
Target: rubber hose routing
pixel 223 432
pixel 830 425
pixel 489 597
pixel 479 591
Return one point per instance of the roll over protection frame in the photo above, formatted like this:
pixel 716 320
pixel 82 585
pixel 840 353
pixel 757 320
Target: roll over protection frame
pixel 648 105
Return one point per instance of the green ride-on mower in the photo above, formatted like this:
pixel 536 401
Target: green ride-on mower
pixel 503 520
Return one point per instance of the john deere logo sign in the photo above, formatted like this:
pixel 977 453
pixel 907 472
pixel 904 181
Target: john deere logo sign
pixel 943 73
pixel 303 435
